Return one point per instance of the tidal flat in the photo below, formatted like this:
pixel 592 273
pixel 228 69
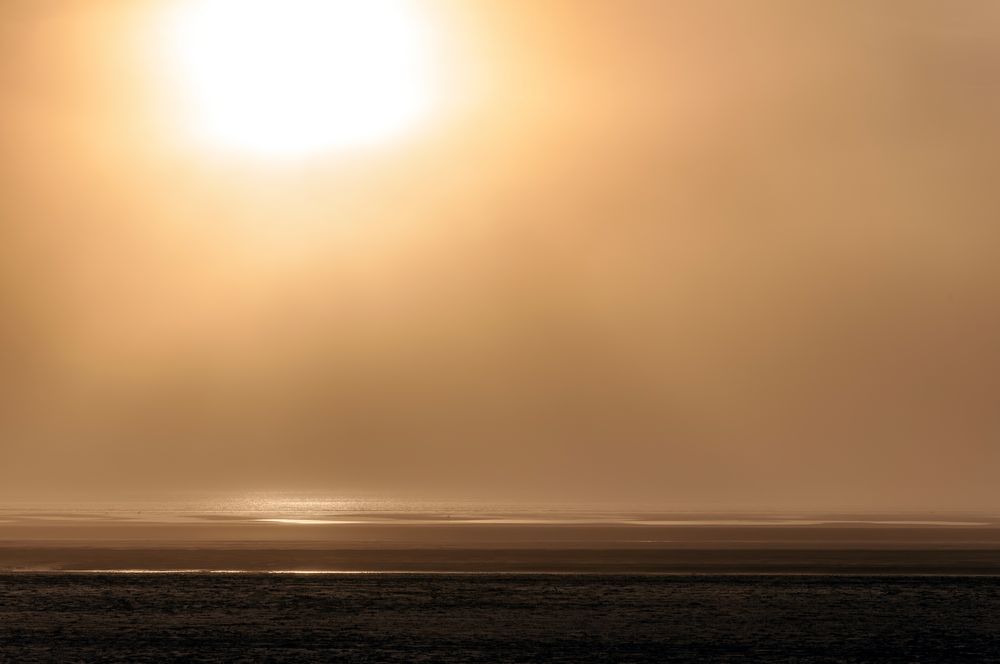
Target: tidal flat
pixel 101 617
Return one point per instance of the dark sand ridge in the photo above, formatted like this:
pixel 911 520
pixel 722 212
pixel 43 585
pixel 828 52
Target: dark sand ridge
pixel 260 557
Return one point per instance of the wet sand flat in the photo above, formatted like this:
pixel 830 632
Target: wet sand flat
pixel 310 557
pixel 347 532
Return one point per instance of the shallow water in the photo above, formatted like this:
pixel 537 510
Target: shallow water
pixel 308 521
pixel 498 618
pixel 296 509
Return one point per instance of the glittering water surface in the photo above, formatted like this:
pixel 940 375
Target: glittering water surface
pixel 300 510
pixel 270 532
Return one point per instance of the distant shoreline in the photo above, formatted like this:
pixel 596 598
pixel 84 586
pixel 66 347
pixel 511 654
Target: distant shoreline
pixel 251 559
pixel 405 573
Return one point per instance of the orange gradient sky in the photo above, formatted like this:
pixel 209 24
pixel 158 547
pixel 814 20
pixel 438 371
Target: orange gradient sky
pixel 721 253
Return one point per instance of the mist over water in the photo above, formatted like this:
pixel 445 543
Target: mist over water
pixel 727 256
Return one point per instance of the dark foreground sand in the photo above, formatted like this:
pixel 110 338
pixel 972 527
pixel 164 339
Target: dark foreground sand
pixel 49 617
pixel 513 591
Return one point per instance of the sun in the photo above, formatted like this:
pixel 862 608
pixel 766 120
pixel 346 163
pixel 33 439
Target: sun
pixel 294 77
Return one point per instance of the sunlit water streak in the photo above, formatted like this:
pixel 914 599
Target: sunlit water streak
pixel 322 511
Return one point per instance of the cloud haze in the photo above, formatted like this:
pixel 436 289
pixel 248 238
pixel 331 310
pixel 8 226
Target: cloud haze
pixel 683 252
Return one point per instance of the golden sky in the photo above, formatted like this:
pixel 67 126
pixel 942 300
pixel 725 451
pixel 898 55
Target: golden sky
pixel 722 253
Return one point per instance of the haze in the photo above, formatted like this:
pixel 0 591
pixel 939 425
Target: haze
pixel 733 254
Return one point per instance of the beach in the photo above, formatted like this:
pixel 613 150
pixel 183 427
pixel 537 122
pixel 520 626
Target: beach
pixel 497 618
pixel 291 579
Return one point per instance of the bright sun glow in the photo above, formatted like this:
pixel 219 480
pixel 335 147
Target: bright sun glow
pixel 292 77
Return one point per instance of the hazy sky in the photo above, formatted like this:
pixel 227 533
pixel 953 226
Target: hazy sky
pixel 696 253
